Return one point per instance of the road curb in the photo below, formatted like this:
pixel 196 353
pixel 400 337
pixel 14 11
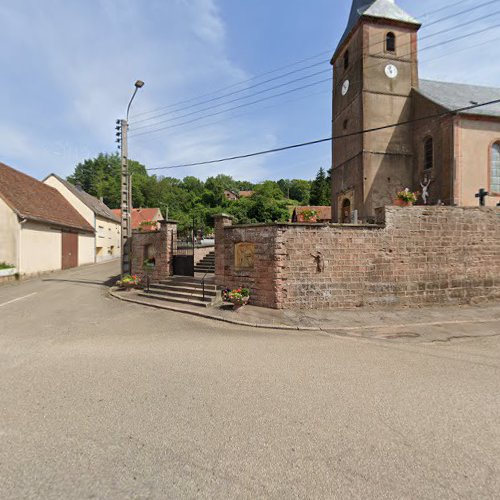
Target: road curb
pixel 200 314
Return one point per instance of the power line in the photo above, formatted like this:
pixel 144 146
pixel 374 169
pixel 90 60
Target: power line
pixel 231 109
pixel 328 139
pixel 272 96
pixel 234 84
pixel 233 100
pixel 231 93
pixel 272 88
pixel 285 67
pixel 224 120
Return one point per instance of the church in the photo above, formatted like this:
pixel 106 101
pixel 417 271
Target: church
pixel 449 155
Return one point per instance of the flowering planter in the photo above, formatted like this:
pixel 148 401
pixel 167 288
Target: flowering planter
pixel 402 203
pixel 237 305
pixel 7 272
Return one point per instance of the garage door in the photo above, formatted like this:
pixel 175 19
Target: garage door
pixel 69 250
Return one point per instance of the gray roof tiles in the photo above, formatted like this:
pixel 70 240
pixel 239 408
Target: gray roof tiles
pixel 384 9
pixel 453 96
pixel 97 206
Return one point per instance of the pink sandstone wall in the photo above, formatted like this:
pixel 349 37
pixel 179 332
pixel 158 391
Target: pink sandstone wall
pixel 163 243
pixel 420 256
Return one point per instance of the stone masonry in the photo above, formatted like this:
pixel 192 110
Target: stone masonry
pixel 158 244
pixel 416 256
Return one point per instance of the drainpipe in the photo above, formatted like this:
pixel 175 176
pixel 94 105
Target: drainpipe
pixel 22 221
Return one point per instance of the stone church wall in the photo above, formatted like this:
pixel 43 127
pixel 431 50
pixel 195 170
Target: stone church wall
pixel 417 256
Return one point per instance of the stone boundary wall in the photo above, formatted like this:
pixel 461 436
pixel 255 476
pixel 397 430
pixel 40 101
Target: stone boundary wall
pixel 162 244
pixel 417 256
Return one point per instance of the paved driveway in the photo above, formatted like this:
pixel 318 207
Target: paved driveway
pixel 103 399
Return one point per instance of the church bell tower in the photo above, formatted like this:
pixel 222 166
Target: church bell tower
pixel 374 70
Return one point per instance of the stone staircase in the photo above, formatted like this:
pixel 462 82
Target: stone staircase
pixel 206 265
pixel 184 290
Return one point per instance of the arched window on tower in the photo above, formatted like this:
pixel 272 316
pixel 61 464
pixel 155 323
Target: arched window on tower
pixel 428 153
pixel 346 59
pixel 390 42
pixel 495 168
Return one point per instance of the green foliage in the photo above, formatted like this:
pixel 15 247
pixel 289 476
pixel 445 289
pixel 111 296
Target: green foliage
pixel 4 265
pixel 192 199
pixel 320 190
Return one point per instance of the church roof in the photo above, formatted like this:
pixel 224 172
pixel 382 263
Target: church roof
pixel 384 9
pixel 457 95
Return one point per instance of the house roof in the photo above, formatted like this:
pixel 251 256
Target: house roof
pixel 97 206
pixel 384 9
pixel 140 215
pixel 246 194
pixel 323 212
pixel 33 200
pixel 453 96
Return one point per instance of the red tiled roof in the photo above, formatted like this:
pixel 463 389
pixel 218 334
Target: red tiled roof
pixel 140 215
pixel 324 213
pixel 34 200
pixel 246 194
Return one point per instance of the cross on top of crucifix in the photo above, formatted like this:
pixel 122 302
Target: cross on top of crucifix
pixel 482 196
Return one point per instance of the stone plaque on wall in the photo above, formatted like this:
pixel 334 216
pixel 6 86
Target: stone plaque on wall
pixel 244 256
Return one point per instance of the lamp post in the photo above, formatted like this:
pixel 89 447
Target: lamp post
pixel 126 186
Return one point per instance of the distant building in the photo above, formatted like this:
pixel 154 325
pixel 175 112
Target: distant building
pixel 246 194
pixel 312 214
pixel 106 224
pixel 376 84
pixel 231 195
pixel 39 229
pixel 143 219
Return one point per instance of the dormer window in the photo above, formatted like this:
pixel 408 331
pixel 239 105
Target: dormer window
pixel 390 42
pixel 346 59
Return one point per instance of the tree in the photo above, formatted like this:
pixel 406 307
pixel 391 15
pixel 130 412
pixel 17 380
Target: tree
pixel 320 191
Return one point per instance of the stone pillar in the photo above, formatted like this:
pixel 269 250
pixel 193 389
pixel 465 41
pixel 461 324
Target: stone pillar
pixel 220 222
pixel 159 244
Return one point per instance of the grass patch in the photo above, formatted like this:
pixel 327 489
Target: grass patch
pixel 3 265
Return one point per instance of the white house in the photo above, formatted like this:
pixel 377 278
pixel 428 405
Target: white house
pixel 96 213
pixel 39 230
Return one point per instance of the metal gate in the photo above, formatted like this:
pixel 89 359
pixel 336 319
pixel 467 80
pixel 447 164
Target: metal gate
pixel 184 258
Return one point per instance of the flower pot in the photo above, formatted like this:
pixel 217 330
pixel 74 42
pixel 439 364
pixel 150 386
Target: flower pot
pixel 238 305
pixel 402 203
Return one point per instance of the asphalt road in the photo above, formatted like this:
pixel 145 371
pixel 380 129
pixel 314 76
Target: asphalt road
pixel 104 399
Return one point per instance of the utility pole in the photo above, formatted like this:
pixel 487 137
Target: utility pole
pixel 126 187
pixel 125 197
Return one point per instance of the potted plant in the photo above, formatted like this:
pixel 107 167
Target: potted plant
pixel 128 282
pixel 405 198
pixel 238 297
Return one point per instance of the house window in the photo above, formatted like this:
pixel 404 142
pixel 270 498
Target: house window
pixel 390 42
pixel 428 154
pixel 346 59
pixel 495 168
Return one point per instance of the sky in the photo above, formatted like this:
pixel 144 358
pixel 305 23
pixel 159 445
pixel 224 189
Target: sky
pixel 69 67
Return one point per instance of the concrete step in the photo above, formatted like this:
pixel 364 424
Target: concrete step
pixel 198 269
pixel 157 288
pixel 193 302
pixel 182 295
pixel 187 283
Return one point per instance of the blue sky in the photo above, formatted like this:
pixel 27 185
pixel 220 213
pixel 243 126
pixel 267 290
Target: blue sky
pixel 68 69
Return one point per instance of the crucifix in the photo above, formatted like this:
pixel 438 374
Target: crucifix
pixel 482 197
pixel 425 189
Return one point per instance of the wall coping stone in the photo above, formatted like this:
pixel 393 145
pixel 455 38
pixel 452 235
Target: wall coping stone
pixel 306 224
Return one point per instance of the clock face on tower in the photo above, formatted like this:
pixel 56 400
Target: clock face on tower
pixel 391 71
pixel 345 87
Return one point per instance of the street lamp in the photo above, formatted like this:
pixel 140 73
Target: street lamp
pixel 126 186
